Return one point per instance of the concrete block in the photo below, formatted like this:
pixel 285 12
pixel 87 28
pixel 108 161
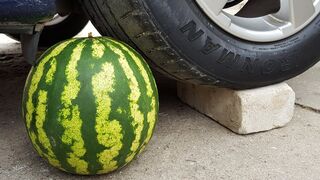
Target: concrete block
pixel 244 111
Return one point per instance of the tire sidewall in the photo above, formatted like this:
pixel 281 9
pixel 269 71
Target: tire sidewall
pixel 228 58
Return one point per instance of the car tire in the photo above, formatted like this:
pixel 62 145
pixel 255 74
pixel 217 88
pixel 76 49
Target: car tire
pixel 179 40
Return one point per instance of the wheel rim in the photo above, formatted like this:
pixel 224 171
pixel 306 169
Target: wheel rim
pixel 292 17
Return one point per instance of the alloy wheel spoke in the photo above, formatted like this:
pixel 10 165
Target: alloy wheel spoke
pixel 296 11
pixel 286 18
pixel 215 6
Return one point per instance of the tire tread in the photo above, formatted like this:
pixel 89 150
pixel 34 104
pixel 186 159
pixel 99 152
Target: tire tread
pixel 146 37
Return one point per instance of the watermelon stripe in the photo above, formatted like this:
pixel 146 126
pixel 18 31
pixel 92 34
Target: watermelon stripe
pixel 52 71
pixel 25 92
pixel 109 131
pixel 133 98
pixel 33 138
pixel 54 129
pixel 41 110
pixel 88 109
pixel 36 79
pixel 120 109
pixel 32 132
pixel 151 116
pixel 70 114
pixel 144 100
pixel 98 49
pixel 142 69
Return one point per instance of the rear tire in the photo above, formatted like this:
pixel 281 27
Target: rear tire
pixel 182 42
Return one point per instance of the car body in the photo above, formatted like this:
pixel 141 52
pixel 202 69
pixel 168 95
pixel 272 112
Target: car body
pixel 21 16
pixel 25 20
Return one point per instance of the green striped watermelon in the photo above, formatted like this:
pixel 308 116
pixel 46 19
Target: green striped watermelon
pixel 90 105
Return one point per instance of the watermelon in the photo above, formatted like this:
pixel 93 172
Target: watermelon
pixel 90 105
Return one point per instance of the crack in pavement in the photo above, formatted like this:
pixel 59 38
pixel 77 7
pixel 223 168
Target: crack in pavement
pixel 308 108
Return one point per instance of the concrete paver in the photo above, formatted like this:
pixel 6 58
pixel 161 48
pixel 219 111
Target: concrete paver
pixel 238 110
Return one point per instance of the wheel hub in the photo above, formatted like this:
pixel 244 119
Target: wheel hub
pixel 290 18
